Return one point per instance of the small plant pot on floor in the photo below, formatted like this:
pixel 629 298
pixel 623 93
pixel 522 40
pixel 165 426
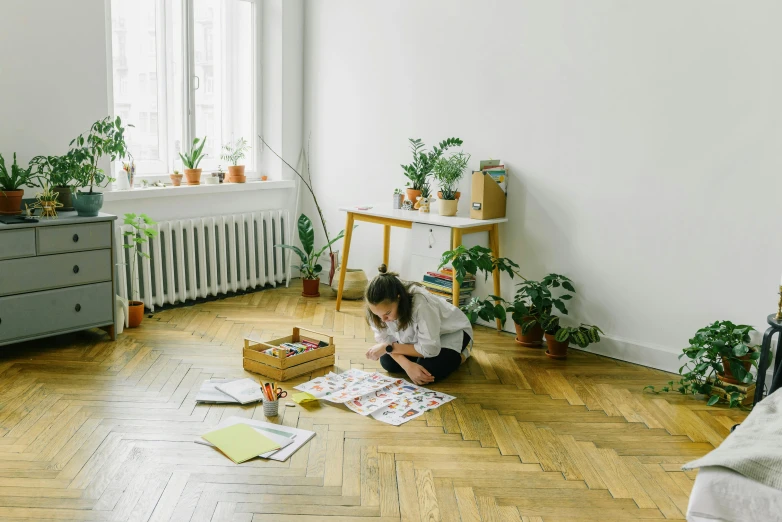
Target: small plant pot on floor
pixel 11 202
pixel 64 197
pixel 311 287
pixel 193 176
pixel 448 207
pixel 236 174
pixel 135 313
pixel 728 377
pixel 556 349
pixel 86 204
pixel 533 338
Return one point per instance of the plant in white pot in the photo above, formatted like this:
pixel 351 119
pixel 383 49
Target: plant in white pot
pixel 106 138
pixel 233 153
pixel 447 172
pixel 191 159
pixel 140 233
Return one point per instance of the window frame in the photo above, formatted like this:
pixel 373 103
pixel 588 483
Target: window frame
pixel 169 140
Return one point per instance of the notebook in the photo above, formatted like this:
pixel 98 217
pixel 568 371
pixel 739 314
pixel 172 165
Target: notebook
pixel 240 442
pixel 244 391
pixel 298 436
pixel 210 394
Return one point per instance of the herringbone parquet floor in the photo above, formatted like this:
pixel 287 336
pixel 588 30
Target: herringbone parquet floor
pixel 95 430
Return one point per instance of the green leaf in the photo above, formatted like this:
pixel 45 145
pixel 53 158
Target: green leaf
pixel 714 399
pixel 567 286
pixel 740 350
pixel 304 258
pixel 306 234
pixel 562 335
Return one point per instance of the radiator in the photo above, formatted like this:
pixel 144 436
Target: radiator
pixel 209 256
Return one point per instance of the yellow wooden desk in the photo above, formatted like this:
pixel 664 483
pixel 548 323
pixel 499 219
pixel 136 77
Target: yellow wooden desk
pixel 388 217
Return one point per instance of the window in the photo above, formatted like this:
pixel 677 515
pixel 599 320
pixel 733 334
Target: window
pixel 174 84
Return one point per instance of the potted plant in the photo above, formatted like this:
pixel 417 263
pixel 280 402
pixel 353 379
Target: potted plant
pixel 220 174
pixel 191 159
pixel 47 200
pixel 425 199
pixel 448 171
pixel 138 236
pixel 233 153
pixel 398 198
pixel 309 268
pixel 558 337
pixel 176 178
pixel 106 138
pixel 423 162
pixel 475 260
pixel 11 190
pixel 718 353
pixel 534 299
pixel 58 172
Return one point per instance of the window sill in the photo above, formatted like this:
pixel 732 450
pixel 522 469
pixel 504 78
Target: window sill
pixel 185 190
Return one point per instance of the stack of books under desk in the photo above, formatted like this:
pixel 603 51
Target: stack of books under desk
pixel 441 284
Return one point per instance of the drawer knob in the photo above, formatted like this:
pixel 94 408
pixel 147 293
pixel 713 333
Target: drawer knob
pixel 75 269
pixel 78 307
pixel 75 238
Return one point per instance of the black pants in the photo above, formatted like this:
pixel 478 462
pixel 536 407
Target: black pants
pixel 440 366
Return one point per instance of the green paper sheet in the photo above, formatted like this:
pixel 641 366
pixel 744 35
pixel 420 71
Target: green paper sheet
pixel 240 442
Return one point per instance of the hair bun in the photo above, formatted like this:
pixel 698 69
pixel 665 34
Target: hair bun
pixel 382 269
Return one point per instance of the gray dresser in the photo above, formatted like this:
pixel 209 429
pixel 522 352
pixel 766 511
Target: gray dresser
pixel 56 276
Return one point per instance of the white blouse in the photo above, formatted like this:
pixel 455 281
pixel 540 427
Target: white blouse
pixel 436 324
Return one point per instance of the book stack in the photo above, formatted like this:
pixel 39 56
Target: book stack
pixel 441 284
pixel 497 171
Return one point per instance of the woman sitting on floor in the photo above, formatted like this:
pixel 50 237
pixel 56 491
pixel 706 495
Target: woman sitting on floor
pixel 416 332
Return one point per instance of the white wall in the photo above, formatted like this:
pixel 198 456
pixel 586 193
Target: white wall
pixel 642 137
pixel 54 85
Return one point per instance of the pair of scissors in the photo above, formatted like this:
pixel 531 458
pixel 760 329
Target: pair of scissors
pixel 280 393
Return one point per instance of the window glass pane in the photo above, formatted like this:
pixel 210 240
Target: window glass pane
pixel 135 70
pixel 224 56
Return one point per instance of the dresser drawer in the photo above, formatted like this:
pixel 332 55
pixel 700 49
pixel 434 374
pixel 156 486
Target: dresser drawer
pixel 73 238
pixel 54 311
pixel 17 243
pixel 430 240
pixel 58 271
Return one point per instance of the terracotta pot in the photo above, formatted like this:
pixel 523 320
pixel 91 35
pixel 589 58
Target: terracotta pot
pixel 440 195
pixel 11 202
pixel 135 313
pixel 728 377
pixel 413 196
pixel 448 207
pixel 533 338
pixel 236 174
pixel 64 197
pixel 311 287
pixel 193 176
pixel 555 349
pixel 176 179
pixel 264 178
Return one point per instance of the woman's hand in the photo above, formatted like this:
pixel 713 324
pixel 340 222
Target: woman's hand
pixel 418 374
pixel 376 352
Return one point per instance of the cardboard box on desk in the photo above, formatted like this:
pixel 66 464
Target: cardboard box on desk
pixel 488 198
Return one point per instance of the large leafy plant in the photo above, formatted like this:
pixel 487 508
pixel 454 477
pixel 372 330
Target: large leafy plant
pixel 233 153
pixel 423 161
pixel 582 335
pixel 140 234
pixel 309 268
pixel 476 260
pixel 18 177
pixel 712 346
pixel 105 138
pixel 448 171
pixel 533 299
pixel 55 171
pixel 193 157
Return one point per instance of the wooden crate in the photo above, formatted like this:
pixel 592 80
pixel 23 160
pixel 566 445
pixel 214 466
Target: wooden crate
pixel 283 368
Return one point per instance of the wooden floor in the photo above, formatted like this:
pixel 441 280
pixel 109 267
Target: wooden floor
pixel 95 430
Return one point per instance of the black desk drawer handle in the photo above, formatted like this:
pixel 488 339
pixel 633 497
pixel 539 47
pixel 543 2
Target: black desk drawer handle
pixel 75 238
pixel 78 307
pixel 75 269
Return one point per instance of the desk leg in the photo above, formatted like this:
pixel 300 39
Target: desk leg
pixel 386 243
pixel 346 247
pixel 494 244
pixel 763 364
pixel 456 241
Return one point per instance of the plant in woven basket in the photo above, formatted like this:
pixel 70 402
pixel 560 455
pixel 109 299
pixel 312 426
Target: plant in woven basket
pixel 717 351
